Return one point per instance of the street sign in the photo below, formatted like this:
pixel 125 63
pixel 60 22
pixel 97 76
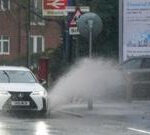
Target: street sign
pixel 54 7
pixel 73 9
pixel 87 21
pixel 76 15
pixel 73 30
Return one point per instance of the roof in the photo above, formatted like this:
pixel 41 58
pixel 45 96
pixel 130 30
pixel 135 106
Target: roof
pixel 14 68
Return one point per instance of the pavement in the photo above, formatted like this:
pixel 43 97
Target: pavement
pixel 113 117
pixel 109 108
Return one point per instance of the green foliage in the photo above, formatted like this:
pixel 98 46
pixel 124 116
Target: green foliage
pixel 107 42
pixel 57 65
pixel 23 2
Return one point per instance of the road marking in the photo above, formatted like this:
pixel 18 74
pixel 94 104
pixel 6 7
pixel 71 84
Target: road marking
pixel 72 113
pixel 139 130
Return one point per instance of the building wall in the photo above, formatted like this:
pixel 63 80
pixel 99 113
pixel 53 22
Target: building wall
pixel 12 24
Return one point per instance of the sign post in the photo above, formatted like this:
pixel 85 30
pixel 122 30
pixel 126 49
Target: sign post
pixel 120 31
pixel 90 25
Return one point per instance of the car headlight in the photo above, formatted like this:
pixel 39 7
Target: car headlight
pixel 39 93
pixel 4 93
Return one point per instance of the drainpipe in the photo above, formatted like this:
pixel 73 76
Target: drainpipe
pixel 28 34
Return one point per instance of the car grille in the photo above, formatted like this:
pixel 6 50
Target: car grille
pixel 20 96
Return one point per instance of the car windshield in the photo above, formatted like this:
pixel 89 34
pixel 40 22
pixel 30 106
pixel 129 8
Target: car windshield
pixel 9 76
pixel 132 64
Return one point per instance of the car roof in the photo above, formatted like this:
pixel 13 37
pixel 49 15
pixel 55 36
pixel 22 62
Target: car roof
pixel 144 56
pixel 14 68
pixel 137 57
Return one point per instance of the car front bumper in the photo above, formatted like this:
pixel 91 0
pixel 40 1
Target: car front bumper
pixel 37 102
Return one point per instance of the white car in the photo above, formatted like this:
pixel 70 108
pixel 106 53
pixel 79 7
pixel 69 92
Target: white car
pixel 20 90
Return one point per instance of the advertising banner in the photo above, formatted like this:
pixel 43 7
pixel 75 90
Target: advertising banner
pixel 136 28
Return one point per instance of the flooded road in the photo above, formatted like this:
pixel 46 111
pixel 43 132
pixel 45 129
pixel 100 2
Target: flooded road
pixel 105 119
pixel 10 125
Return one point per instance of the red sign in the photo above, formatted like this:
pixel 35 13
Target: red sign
pixel 55 4
pixel 73 30
pixel 77 14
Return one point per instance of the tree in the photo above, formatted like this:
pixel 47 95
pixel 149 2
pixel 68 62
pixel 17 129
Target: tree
pixel 107 42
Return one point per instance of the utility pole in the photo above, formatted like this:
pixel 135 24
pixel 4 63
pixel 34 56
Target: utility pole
pixel 28 33
pixel 90 24
pixel 68 38
pixel 120 31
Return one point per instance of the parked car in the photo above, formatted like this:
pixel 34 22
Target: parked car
pixel 136 72
pixel 20 90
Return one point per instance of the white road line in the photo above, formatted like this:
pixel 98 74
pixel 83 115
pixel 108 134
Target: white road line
pixel 72 113
pixel 139 130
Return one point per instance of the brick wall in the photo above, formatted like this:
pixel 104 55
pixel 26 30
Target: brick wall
pixel 12 24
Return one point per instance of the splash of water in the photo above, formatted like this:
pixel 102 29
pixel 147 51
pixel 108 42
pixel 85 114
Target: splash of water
pixel 88 77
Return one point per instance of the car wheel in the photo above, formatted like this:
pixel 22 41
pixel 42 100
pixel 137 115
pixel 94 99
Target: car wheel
pixel 43 112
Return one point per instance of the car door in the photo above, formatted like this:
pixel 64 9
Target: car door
pixel 132 69
pixel 132 74
pixel 145 70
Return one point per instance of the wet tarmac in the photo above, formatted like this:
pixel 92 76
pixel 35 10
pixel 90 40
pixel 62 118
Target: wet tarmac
pixel 23 123
pixel 105 119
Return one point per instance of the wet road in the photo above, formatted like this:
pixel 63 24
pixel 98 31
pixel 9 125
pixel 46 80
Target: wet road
pixel 25 124
pixel 104 120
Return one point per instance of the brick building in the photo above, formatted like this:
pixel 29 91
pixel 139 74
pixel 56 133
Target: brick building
pixel 13 37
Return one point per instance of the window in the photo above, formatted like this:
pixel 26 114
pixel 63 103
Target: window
pixel 146 63
pixel 5 5
pixel 37 44
pixel 12 76
pixel 36 6
pixel 132 64
pixel 4 45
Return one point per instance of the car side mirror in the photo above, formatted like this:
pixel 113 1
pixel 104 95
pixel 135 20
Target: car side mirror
pixel 42 81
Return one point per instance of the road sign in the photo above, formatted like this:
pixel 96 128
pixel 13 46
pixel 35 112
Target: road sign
pixel 73 9
pixel 54 7
pixel 73 30
pixel 76 15
pixel 88 20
